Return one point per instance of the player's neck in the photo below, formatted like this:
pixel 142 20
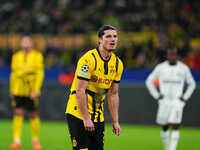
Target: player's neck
pixel 173 63
pixel 105 54
pixel 26 50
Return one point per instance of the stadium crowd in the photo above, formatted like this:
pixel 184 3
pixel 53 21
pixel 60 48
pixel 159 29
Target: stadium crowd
pixel 173 22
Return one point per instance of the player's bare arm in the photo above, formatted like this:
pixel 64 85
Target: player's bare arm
pixel 34 95
pixel 82 103
pixel 113 104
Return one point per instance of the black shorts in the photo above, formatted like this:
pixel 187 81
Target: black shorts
pixel 82 139
pixel 25 103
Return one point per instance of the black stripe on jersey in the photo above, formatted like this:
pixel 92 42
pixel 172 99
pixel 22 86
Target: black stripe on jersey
pixel 117 62
pixel 98 118
pixel 94 95
pixel 116 81
pixel 73 92
pixel 95 67
pixel 82 78
pixel 94 108
pixel 106 91
pixel 90 92
pixel 105 67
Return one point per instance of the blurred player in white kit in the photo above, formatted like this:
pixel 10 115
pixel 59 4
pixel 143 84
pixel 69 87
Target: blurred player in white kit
pixel 172 75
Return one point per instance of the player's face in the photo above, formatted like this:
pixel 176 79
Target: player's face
pixel 172 56
pixel 109 40
pixel 26 42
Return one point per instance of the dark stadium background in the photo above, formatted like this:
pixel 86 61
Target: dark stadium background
pixel 64 29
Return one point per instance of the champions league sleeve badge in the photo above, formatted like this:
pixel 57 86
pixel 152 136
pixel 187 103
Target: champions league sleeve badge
pixel 85 68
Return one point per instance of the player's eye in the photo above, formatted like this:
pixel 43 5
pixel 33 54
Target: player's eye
pixel 108 36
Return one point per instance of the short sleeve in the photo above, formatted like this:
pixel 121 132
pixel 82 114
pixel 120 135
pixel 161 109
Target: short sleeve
pixel 119 71
pixel 85 67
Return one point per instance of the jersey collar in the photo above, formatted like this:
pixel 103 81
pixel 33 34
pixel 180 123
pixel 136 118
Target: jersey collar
pixel 174 64
pixel 101 56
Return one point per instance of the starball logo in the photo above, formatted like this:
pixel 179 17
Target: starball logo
pixel 100 80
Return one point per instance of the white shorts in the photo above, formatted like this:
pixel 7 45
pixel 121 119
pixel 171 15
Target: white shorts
pixel 169 112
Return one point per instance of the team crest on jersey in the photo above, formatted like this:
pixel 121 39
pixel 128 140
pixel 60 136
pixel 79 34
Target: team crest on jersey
pixel 74 143
pixel 85 68
pixel 112 69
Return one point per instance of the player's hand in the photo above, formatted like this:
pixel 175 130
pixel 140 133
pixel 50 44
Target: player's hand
pixel 34 95
pixel 160 97
pixel 116 128
pixel 182 99
pixel 12 95
pixel 88 124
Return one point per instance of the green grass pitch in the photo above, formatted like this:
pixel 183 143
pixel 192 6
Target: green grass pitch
pixel 55 136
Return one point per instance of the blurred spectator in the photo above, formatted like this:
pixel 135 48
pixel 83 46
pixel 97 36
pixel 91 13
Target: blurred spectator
pixel 189 60
pixel 193 59
pixel 159 23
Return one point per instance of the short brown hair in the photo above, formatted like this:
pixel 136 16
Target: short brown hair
pixel 104 28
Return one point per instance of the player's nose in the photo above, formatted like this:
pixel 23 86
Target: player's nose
pixel 113 39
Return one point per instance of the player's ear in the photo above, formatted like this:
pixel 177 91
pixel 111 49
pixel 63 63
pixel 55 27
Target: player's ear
pixel 100 40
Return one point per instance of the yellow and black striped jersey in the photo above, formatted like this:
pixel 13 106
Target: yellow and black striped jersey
pixel 100 74
pixel 27 73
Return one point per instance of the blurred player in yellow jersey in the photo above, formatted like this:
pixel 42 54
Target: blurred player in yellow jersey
pixel 25 83
pixel 98 72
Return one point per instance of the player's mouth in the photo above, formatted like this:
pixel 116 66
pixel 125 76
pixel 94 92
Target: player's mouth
pixel 112 44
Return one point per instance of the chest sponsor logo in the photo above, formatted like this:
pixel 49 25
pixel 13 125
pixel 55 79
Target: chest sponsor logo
pixel 172 81
pixel 101 80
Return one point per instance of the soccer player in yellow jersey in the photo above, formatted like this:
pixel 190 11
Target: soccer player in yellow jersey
pixel 98 72
pixel 25 83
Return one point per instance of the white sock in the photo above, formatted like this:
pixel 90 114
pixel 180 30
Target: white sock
pixel 174 140
pixel 17 140
pixel 165 139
